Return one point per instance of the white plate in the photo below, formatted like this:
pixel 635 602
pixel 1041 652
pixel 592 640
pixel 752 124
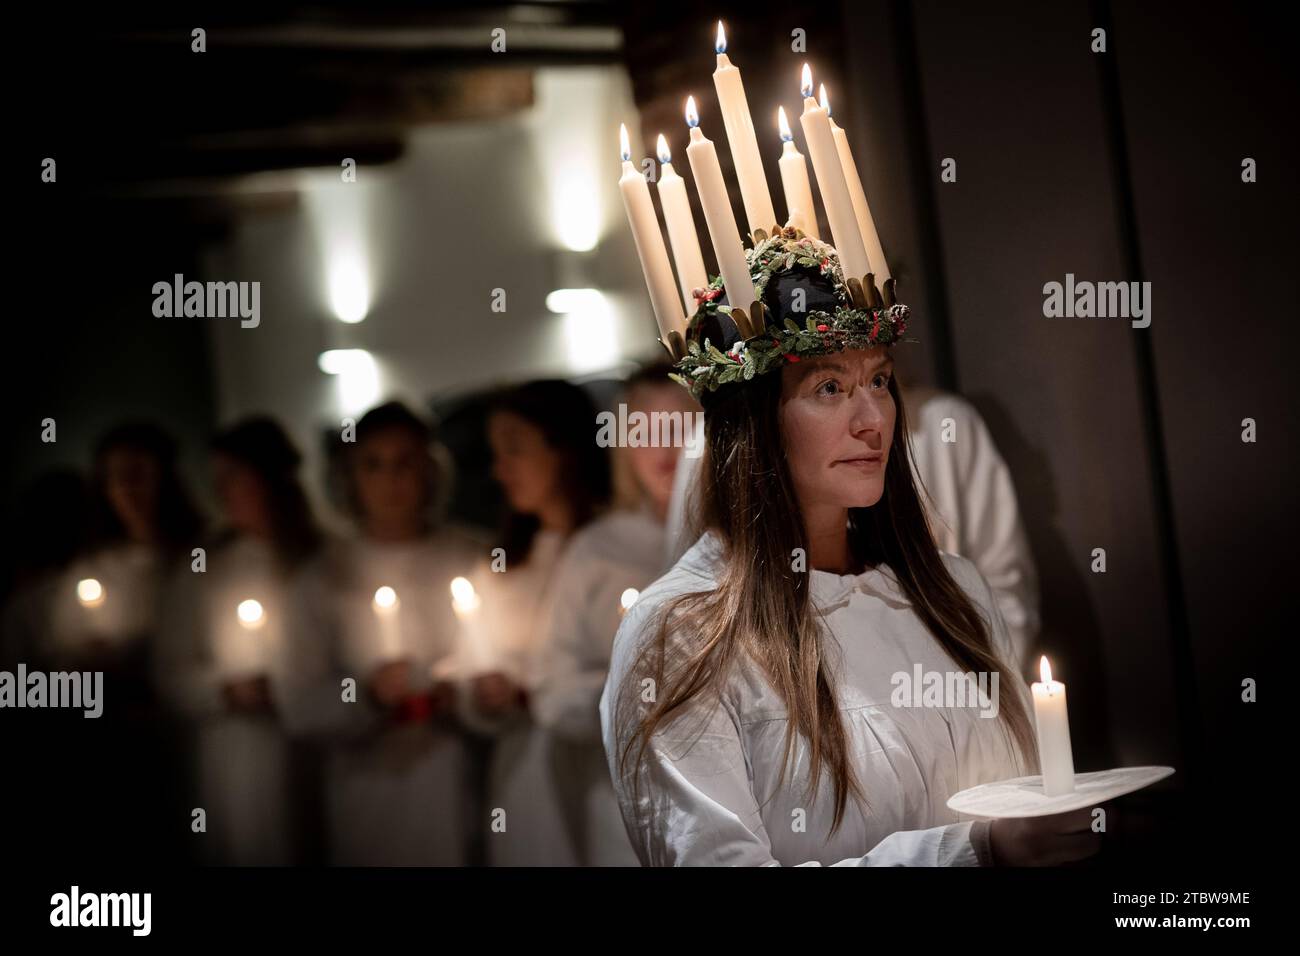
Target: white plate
pixel 1024 797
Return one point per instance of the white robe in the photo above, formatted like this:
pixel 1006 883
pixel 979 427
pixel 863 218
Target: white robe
pixel 973 510
pixel 507 633
pixel 242 762
pixel 396 794
pixel 621 550
pixel 709 792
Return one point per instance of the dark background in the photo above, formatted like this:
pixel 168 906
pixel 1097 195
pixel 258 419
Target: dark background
pixel 1123 166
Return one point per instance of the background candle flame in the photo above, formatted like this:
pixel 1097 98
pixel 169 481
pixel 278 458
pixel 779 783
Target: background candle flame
pixel 250 613
pixel 665 155
pixel 783 125
pixel 90 592
pixel 624 146
pixel 826 100
pixel 805 85
pixel 692 114
pixel 385 598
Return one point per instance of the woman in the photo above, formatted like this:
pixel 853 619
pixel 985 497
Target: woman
pixel 106 607
pixel 750 716
pixel 555 479
pixel 397 784
pixel 221 656
pixel 603 568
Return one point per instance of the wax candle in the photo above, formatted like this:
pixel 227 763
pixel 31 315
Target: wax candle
pixel 794 178
pixel 830 180
pixel 475 654
pixel 681 229
pixel 1053 724
pixel 650 245
pixel 241 645
pixel 723 231
pixel 861 211
pixel 388 621
pixel 744 145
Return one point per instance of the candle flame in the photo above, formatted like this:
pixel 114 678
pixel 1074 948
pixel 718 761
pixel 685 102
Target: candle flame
pixel 692 114
pixel 250 613
pixel 720 45
pixel 1045 670
pixel 805 83
pixel 385 598
pixel 826 100
pixel 90 592
pixel 462 592
pixel 783 125
pixel 665 155
pixel 625 147
pixel 628 598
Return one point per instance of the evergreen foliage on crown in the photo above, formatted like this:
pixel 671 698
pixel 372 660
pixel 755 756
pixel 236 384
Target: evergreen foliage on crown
pixel 807 311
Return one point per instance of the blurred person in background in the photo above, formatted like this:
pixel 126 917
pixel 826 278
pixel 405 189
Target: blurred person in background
pixel 221 655
pixel 598 577
pixel 376 607
pixel 555 479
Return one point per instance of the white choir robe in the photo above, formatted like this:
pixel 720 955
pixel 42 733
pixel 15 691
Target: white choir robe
pixel 507 634
pixel 396 794
pixel 242 761
pixel 974 511
pixel 131 577
pixel 621 550
pixel 709 792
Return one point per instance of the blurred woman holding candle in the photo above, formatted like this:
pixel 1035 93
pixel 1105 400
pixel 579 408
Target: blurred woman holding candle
pixel 555 479
pixel 220 655
pixel 621 550
pixel 375 608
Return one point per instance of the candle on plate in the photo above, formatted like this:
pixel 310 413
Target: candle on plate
pixel 861 211
pixel 744 145
pixel 386 607
pixel 830 180
pixel 794 177
pixel 650 244
pixel 626 600
pixel 1053 725
pixel 681 229
pixel 723 230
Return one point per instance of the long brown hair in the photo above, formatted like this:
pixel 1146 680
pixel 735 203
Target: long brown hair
pixel 762 608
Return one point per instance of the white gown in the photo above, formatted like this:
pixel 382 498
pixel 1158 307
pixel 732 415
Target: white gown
pixel 507 633
pixel 621 550
pixel 709 793
pixel 974 511
pixel 396 794
pixel 242 762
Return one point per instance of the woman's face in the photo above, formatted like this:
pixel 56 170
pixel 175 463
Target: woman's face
pixel 527 468
pixel 837 422
pixel 390 472
pixel 242 495
pixel 132 480
pixel 653 467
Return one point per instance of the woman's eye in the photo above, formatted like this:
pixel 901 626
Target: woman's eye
pixel 882 379
pixel 829 387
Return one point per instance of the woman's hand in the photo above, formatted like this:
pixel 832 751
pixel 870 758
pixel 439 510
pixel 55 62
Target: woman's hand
pixel 390 683
pixel 495 694
pixel 1044 841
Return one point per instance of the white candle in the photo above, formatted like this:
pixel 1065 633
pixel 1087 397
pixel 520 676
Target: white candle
pixel 861 211
pixel 475 654
pixel 241 645
pixel 723 231
pixel 794 177
pixel 387 619
pixel 650 245
pixel 1053 724
pixel 744 145
pixel 685 243
pixel 830 180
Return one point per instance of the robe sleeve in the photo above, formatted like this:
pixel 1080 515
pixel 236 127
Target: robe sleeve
pixel 691 802
pixel 567 698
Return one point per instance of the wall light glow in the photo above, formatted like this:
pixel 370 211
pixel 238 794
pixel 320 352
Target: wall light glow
pixel 357 377
pixel 589 334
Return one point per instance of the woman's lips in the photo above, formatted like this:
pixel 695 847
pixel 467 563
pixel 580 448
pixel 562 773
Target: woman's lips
pixel 865 463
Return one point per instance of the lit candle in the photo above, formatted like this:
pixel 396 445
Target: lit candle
pixel 861 211
pixel 626 600
pixel 681 229
pixel 89 592
pixel 386 608
pixel 744 145
pixel 242 651
pixel 475 654
pixel 1053 723
pixel 723 230
pixel 830 180
pixel 794 177
pixel 650 245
